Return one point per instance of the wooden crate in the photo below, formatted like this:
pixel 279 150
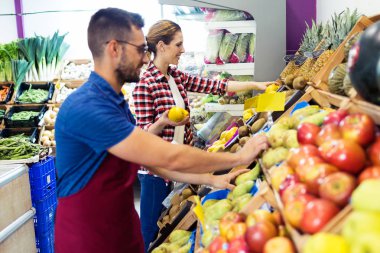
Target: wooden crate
pixel 320 79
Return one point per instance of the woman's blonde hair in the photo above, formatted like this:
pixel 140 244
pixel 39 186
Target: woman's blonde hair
pixel 163 30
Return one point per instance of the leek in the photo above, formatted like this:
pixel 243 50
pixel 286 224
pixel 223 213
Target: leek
pixel 19 70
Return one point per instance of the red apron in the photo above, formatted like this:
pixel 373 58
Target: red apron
pixel 101 217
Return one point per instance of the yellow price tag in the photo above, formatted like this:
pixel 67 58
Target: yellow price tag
pixel 198 210
pixel 250 103
pixel 271 102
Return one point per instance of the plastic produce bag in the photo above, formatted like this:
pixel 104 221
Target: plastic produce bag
pixel 251 50
pixel 227 47
pixel 214 40
pixel 242 46
pixel 229 15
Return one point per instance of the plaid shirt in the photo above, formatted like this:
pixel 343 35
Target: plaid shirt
pixel 152 96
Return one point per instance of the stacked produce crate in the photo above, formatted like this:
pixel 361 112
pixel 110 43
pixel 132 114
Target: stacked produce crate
pixel 44 200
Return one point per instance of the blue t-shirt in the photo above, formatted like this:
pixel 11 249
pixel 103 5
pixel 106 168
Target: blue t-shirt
pixel 91 120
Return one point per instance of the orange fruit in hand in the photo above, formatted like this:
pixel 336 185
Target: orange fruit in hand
pixel 177 114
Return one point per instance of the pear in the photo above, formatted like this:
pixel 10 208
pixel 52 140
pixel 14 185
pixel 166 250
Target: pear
pixel 290 139
pixel 316 119
pixel 286 121
pixel 216 211
pixel 209 203
pixel 242 189
pixel 361 222
pixel 184 249
pixel 274 156
pixel 276 136
pixel 241 202
pixel 178 235
pixel 248 176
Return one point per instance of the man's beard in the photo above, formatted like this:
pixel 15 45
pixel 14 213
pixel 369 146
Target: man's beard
pixel 126 73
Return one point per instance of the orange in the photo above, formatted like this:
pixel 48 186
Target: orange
pixel 177 114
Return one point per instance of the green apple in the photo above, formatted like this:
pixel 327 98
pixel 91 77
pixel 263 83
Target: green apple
pixel 366 243
pixel 364 197
pixel 360 222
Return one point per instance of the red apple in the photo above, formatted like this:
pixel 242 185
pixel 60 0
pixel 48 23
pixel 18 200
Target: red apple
pixel 294 210
pixel 237 230
pixel 228 220
pixel 374 152
pixel 345 154
pixel 305 165
pixel 338 188
pixel 263 215
pixel 293 191
pixel 307 133
pixel 238 245
pixel 259 234
pixel 335 117
pixel 278 175
pixel 218 244
pixel 279 245
pixel 317 214
pixel 289 181
pixel 328 132
pixel 295 155
pixel 369 173
pixel 358 127
pixel 316 174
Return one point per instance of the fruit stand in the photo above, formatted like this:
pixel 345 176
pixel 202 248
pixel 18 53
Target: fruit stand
pixel 316 188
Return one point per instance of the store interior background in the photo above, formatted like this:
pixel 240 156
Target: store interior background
pixel 72 16
pixel 43 17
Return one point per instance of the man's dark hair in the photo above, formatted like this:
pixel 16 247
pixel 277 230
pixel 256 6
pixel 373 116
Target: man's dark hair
pixel 110 23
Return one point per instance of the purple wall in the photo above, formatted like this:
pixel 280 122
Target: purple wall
pixel 297 12
pixel 19 18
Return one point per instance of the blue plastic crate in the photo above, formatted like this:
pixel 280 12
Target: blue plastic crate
pixel 45 242
pixel 45 213
pixel 42 179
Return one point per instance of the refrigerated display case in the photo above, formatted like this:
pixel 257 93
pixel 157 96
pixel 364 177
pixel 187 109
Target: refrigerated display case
pixel 269 25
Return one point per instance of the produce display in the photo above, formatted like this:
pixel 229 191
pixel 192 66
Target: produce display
pixel 64 92
pixel 47 138
pixel 77 71
pixel 8 52
pixel 24 115
pixel 4 90
pixel 17 147
pixel 33 96
pixel 50 116
pixel 178 242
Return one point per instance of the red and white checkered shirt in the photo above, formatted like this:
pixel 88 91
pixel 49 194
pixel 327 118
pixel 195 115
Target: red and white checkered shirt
pixel 152 96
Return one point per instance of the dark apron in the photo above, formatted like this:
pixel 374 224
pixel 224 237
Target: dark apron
pixel 101 217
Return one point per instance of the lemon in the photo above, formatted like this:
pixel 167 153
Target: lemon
pixel 177 114
pixel 272 88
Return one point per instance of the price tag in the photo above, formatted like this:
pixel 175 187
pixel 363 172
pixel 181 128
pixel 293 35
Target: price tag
pixel 250 103
pixel 271 102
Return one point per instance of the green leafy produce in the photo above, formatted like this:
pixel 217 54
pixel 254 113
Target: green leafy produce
pixel 8 52
pixel 19 70
pixel 228 15
pixel 242 45
pixel 25 115
pixel 227 46
pixel 33 95
pixel 17 147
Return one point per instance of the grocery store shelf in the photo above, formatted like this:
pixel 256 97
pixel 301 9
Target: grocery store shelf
pixel 234 110
pixel 246 26
pixel 233 68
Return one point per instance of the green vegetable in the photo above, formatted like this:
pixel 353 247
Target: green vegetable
pixel 251 50
pixel 228 45
pixel 33 95
pixel 19 70
pixel 17 147
pixel 25 115
pixel 242 45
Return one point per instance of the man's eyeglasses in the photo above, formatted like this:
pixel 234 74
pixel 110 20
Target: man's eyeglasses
pixel 143 49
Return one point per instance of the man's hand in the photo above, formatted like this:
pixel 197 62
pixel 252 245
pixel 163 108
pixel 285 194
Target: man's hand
pixel 264 85
pixel 224 181
pixel 164 120
pixel 252 148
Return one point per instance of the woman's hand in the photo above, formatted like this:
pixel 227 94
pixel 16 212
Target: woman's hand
pixel 164 120
pixel 264 85
pixel 224 181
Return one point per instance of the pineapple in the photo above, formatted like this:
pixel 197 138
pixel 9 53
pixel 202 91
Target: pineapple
pixel 310 40
pixel 335 33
